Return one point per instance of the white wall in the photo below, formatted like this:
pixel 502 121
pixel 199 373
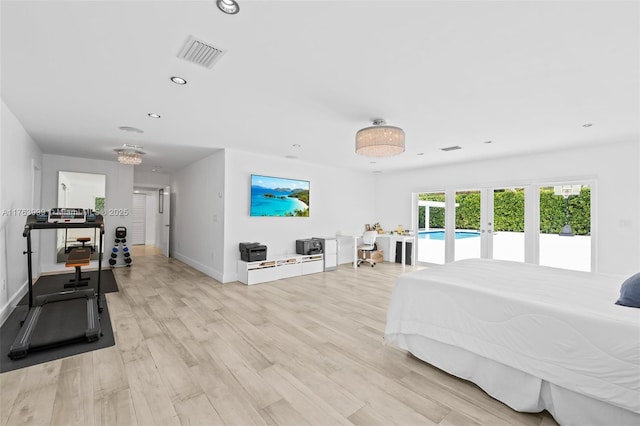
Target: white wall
pixel 118 196
pixel 197 215
pixel 211 208
pixel 151 179
pixel 18 155
pixel 340 201
pixel 615 168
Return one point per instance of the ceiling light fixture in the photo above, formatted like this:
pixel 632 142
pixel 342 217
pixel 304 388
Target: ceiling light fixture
pixel 380 140
pixel 178 80
pixel 587 125
pixel 230 7
pixel 130 154
pixel 153 115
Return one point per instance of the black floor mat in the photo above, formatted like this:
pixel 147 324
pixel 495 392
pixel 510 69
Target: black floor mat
pixel 52 284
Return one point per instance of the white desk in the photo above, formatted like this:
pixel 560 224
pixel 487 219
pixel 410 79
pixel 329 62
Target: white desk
pixel 391 239
pixel 391 244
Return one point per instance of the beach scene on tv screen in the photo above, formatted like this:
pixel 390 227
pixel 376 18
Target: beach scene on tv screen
pixel 273 196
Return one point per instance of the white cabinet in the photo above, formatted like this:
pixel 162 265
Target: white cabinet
pixel 285 266
pixel 312 264
pixel 330 252
pixel 290 267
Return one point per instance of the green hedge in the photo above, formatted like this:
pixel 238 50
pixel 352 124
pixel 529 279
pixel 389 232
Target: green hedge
pixel 509 211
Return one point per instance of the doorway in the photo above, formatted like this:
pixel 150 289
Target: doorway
pixel 151 213
pixel 139 219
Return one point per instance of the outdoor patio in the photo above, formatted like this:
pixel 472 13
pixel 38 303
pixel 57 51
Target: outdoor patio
pixel 557 251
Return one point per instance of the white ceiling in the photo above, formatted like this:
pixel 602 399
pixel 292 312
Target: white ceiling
pixel 525 75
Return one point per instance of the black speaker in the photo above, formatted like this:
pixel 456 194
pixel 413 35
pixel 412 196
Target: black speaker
pixel 407 254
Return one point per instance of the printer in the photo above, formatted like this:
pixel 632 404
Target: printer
pixel 251 252
pixel 309 246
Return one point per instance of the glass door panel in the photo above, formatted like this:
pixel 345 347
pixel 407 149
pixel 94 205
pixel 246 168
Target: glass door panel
pixel 467 238
pixel 507 238
pixel 565 226
pixel 431 227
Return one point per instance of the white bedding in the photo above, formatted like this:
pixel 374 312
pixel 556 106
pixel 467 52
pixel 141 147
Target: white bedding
pixel 556 325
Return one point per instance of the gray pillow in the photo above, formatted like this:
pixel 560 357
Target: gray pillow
pixel 630 292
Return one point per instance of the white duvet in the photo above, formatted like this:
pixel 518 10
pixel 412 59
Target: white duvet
pixel 560 326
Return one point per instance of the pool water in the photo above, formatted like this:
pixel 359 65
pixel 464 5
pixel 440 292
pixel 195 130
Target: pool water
pixel 439 235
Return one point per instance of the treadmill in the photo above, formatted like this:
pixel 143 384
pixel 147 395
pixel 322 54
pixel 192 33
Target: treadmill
pixel 65 317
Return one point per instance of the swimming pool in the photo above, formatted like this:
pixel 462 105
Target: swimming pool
pixel 439 235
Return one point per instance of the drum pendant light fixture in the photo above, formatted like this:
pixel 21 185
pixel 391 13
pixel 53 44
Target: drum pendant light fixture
pixel 380 140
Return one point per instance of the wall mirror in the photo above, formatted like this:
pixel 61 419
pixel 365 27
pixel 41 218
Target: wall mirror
pixel 84 190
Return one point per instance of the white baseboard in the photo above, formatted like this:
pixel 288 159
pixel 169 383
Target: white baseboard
pixel 216 275
pixel 8 308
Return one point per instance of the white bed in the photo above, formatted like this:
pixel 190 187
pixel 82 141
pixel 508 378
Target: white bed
pixel 533 337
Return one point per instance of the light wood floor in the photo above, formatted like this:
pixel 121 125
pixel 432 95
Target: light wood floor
pixel 192 351
pixel 145 250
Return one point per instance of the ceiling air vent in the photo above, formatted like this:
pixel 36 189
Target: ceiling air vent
pixel 200 53
pixel 451 148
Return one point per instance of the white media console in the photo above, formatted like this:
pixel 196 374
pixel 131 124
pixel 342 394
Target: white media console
pixel 279 267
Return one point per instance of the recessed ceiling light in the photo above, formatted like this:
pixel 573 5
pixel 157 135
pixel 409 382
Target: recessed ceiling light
pixel 178 80
pixel 290 157
pixel 296 145
pixel 130 129
pixel 372 162
pixel 377 171
pixel 153 115
pixel 487 142
pixel 229 7
pixel 587 125
pixel 421 153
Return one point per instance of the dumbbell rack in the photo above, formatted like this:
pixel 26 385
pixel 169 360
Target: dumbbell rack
pixel 120 246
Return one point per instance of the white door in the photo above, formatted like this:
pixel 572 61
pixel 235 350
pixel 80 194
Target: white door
pixel 165 199
pixel 139 219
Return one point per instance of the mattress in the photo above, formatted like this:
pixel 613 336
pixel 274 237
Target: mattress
pixel 557 325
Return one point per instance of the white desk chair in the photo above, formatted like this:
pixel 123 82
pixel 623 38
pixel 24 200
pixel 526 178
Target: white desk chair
pixel 368 245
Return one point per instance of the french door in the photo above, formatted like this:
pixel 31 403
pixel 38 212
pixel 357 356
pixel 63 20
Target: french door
pixel 522 224
pixel 489 224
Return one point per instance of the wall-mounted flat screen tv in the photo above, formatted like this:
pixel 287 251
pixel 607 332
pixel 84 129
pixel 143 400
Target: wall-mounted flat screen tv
pixel 274 196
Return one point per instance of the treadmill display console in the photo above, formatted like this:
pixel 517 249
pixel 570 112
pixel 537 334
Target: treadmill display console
pixel 67 215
